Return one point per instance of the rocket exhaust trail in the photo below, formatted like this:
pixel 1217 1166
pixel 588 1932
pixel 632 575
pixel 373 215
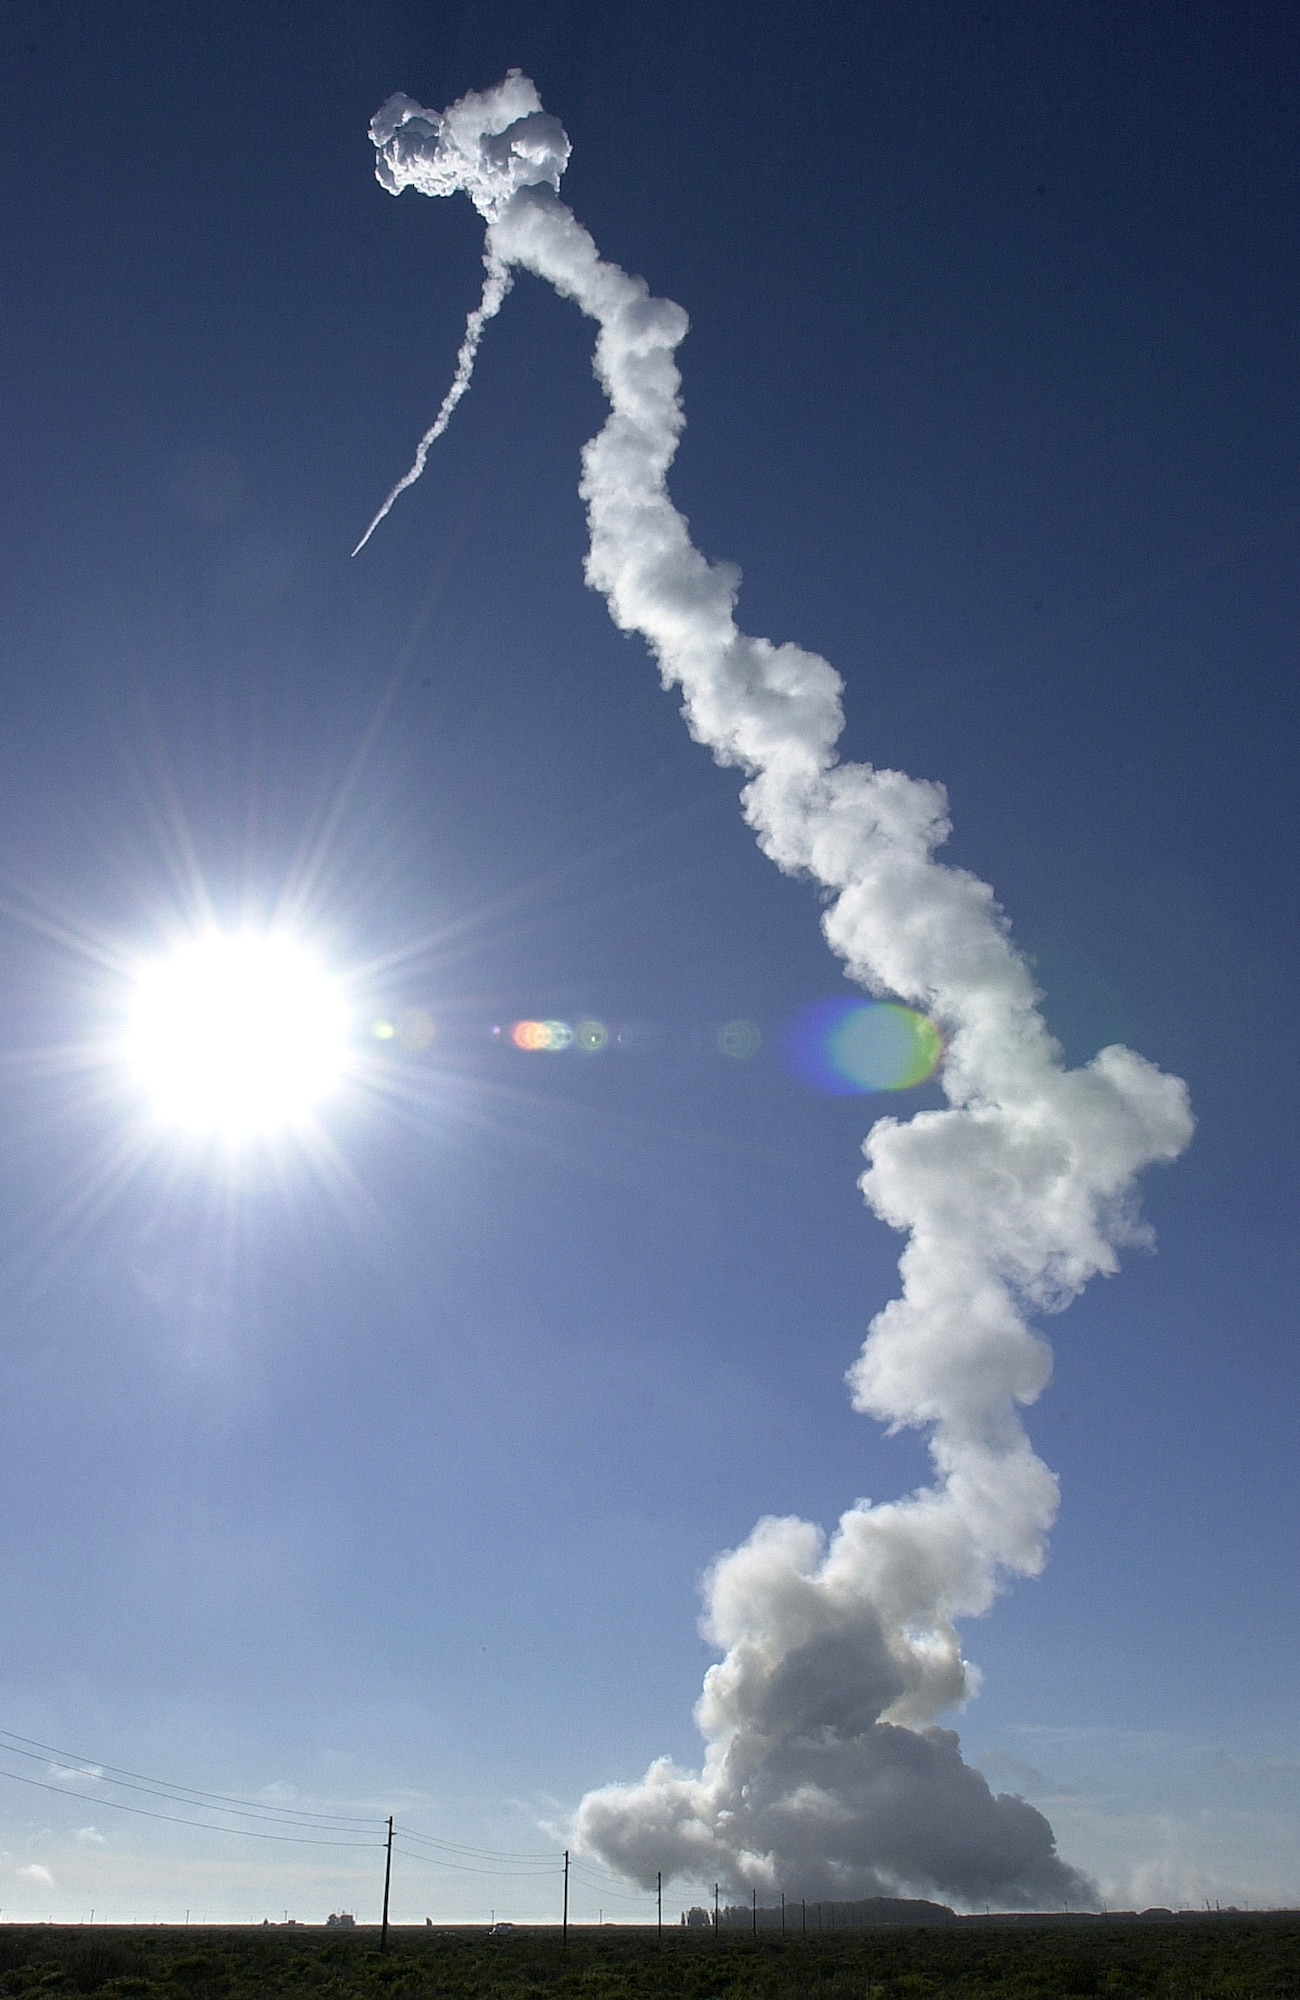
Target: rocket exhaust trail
pixel 823 1772
pixel 496 283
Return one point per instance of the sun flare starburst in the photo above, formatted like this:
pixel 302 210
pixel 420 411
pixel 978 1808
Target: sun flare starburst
pixel 237 1035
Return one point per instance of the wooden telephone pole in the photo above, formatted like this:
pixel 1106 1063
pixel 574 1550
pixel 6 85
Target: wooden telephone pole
pixel 388 1877
pixel 564 1927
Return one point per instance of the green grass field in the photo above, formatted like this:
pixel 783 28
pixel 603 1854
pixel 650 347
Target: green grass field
pixel 1247 1958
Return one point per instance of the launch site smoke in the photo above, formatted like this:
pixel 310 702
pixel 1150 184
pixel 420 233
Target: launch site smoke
pixel 824 1773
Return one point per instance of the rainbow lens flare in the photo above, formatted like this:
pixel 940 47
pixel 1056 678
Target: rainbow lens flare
pixel 846 1048
pixel 536 1036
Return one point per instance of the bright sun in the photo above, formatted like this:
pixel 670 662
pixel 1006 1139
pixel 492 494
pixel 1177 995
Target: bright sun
pixel 236 1035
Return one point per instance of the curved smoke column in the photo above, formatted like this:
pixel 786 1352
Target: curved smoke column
pixel 823 1773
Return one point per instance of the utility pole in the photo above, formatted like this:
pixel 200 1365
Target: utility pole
pixel 715 1909
pixel 659 1904
pixel 564 1924
pixel 783 1912
pixel 753 1911
pixel 388 1877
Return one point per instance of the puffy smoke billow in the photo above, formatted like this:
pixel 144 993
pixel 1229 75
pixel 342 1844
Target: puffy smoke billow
pixel 823 1771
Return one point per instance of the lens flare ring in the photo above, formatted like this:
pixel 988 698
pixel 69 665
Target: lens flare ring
pixel 851 1048
pixel 741 1040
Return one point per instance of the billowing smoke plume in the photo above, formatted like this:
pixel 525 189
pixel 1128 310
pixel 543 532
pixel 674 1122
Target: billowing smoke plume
pixel 823 1772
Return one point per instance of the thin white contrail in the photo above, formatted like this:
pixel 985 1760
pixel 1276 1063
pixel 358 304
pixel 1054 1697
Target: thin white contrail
pixel 496 283
pixel 823 1772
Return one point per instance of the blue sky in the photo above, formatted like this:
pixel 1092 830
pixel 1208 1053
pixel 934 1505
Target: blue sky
pixel 397 1498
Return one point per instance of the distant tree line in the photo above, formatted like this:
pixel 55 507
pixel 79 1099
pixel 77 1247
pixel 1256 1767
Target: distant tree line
pixel 802 1915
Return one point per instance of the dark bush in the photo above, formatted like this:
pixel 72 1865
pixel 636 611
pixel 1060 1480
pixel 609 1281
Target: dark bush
pixel 92 1965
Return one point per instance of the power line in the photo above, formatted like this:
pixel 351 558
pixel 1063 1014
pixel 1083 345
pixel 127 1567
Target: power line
pixel 479 1853
pixel 599 1869
pixel 469 1868
pixel 28 1746
pixel 610 1893
pixel 608 1888
pixel 318 1828
pixel 179 1798
pixel 597 1878
pixel 174 1819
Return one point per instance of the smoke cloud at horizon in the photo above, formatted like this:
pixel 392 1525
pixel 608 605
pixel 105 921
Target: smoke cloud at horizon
pixel 824 1773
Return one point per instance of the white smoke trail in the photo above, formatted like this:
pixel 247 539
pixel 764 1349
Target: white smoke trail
pixel 496 283
pixel 823 1772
